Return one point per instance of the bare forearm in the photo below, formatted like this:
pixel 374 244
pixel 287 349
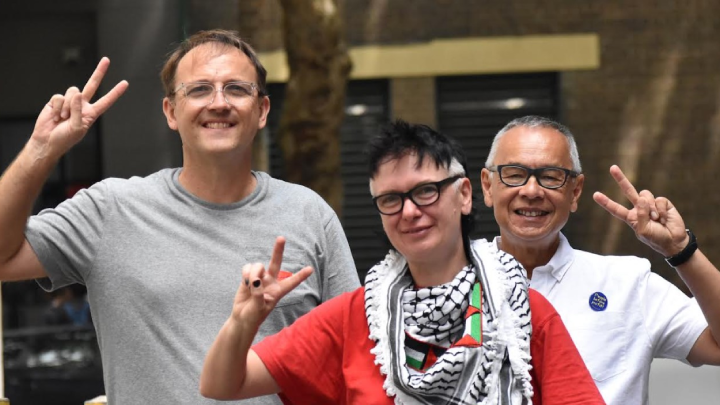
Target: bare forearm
pixel 225 369
pixel 703 280
pixel 19 187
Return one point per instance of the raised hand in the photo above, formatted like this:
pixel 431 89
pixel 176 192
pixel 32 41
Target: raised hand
pixel 655 221
pixel 260 289
pixel 65 120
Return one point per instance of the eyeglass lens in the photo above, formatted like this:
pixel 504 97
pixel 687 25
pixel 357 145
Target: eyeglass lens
pixel 422 195
pixel 234 93
pixel 547 177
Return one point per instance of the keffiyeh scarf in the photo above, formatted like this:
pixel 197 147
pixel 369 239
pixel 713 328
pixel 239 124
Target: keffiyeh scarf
pixel 475 331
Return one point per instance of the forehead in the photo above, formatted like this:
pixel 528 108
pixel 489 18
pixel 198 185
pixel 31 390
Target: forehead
pixel 215 61
pixel 403 174
pixel 533 147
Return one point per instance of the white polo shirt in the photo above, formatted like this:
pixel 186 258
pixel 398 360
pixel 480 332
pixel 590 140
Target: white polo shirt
pixel 620 316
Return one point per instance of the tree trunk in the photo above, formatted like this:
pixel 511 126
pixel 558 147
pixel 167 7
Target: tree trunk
pixel 314 107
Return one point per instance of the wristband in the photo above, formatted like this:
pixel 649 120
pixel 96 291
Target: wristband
pixel 685 254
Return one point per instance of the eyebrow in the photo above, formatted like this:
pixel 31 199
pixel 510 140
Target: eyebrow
pixel 531 167
pixel 422 182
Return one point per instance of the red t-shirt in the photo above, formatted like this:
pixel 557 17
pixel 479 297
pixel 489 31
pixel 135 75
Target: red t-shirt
pixel 324 357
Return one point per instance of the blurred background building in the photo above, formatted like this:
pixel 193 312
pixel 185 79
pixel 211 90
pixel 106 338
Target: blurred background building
pixel 637 83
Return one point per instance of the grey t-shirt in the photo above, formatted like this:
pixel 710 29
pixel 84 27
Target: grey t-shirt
pixel 162 268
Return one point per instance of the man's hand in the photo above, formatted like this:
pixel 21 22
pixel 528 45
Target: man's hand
pixel 65 120
pixel 260 289
pixel 655 221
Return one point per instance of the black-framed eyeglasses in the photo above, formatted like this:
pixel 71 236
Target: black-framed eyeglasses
pixel 203 93
pixel 518 175
pixel 422 195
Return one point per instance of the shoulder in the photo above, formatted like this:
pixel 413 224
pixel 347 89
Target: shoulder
pixel 348 301
pixel 284 195
pixel 614 266
pixel 541 310
pixel 292 191
pixel 135 184
pixel 327 319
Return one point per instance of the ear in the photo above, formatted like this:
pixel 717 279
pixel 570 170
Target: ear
pixel 577 191
pixel 169 111
pixel 466 195
pixel 486 182
pixel 264 110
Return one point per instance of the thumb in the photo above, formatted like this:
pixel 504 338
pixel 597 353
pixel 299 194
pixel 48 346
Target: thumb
pixel 293 281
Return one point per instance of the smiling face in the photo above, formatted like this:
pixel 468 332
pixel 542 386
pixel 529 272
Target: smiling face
pixel 218 127
pixel 530 215
pixel 429 236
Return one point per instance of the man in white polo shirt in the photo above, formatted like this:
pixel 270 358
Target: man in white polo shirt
pixel 619 314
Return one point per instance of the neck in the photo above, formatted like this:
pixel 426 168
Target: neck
pixel 530 255
pixel 219 181
pixel 437 272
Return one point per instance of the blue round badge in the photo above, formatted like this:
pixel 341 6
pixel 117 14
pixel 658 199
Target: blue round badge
pixel 598 301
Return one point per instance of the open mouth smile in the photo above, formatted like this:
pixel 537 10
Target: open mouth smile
pixel 218 125
pixel 533 213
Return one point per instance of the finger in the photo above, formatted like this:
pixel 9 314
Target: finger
pixel 244 287
pixel 643 213
pixel 69 94
pixel 95 79
pixel 277 256
pixel 650 198
pixel 106 101
pixel 76 122
pixel 615 209
pixel 293 281
pixel 625 185
pixel 56 102
pixel 663 205
pixel 255 276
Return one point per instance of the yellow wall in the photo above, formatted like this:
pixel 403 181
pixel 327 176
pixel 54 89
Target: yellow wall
pixel 443 57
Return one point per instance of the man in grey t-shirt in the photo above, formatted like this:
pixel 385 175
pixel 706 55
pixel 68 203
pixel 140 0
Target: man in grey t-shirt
pixel 160 255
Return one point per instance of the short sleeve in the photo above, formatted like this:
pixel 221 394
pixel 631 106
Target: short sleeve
pixel 305 358
pixel 673 320
pixel 66 238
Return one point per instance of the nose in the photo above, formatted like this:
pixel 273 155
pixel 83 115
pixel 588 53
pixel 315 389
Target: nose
pixel 410 210
pixel 532 189
pixel 218 100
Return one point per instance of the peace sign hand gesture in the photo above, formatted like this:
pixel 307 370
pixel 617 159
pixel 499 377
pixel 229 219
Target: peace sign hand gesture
pixel 261 289
pixel 655 221
pixel 65 120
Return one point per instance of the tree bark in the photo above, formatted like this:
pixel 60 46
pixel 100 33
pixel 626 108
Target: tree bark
pixel 309 136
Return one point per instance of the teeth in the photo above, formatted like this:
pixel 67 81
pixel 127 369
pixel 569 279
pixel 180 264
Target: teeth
pixel 531 213
pixel 217 125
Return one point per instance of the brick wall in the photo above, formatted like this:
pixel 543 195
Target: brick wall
pixel 413 99
pixel 653 106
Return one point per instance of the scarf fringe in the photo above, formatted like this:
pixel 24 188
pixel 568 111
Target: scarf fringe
pixel 373 302
pixel 519 345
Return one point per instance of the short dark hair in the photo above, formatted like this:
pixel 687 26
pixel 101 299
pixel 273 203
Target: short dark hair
pixel 217 36
pixel 400 138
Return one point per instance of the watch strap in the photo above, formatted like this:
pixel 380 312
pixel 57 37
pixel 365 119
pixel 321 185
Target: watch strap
pixel 685 254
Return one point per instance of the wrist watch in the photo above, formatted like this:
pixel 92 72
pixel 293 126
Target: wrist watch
pixel 685 254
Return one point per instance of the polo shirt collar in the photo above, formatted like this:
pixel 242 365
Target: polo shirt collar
pixel 559 263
